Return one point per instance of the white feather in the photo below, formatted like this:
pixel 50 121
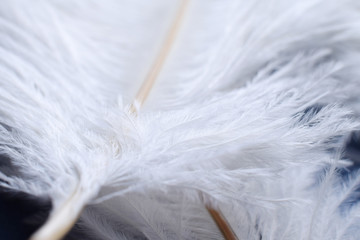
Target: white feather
pixel 252 93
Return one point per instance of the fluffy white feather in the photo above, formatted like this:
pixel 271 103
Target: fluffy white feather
pixel 251 94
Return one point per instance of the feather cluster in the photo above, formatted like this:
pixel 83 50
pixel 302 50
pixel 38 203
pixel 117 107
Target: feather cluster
pixel 249 114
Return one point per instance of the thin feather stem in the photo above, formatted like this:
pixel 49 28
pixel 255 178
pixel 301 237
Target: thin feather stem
pixel 158 64
pixel 62 220
pixel 222 224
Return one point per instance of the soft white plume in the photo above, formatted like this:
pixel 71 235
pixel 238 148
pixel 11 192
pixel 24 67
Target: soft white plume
pixel 252 94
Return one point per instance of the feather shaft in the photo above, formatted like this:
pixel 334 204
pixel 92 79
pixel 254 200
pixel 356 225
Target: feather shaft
pixel 159 62
pixel 222 224
pixel 62 220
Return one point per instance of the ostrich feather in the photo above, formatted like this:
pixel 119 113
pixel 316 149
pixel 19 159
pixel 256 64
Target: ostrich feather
pixel 246 95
